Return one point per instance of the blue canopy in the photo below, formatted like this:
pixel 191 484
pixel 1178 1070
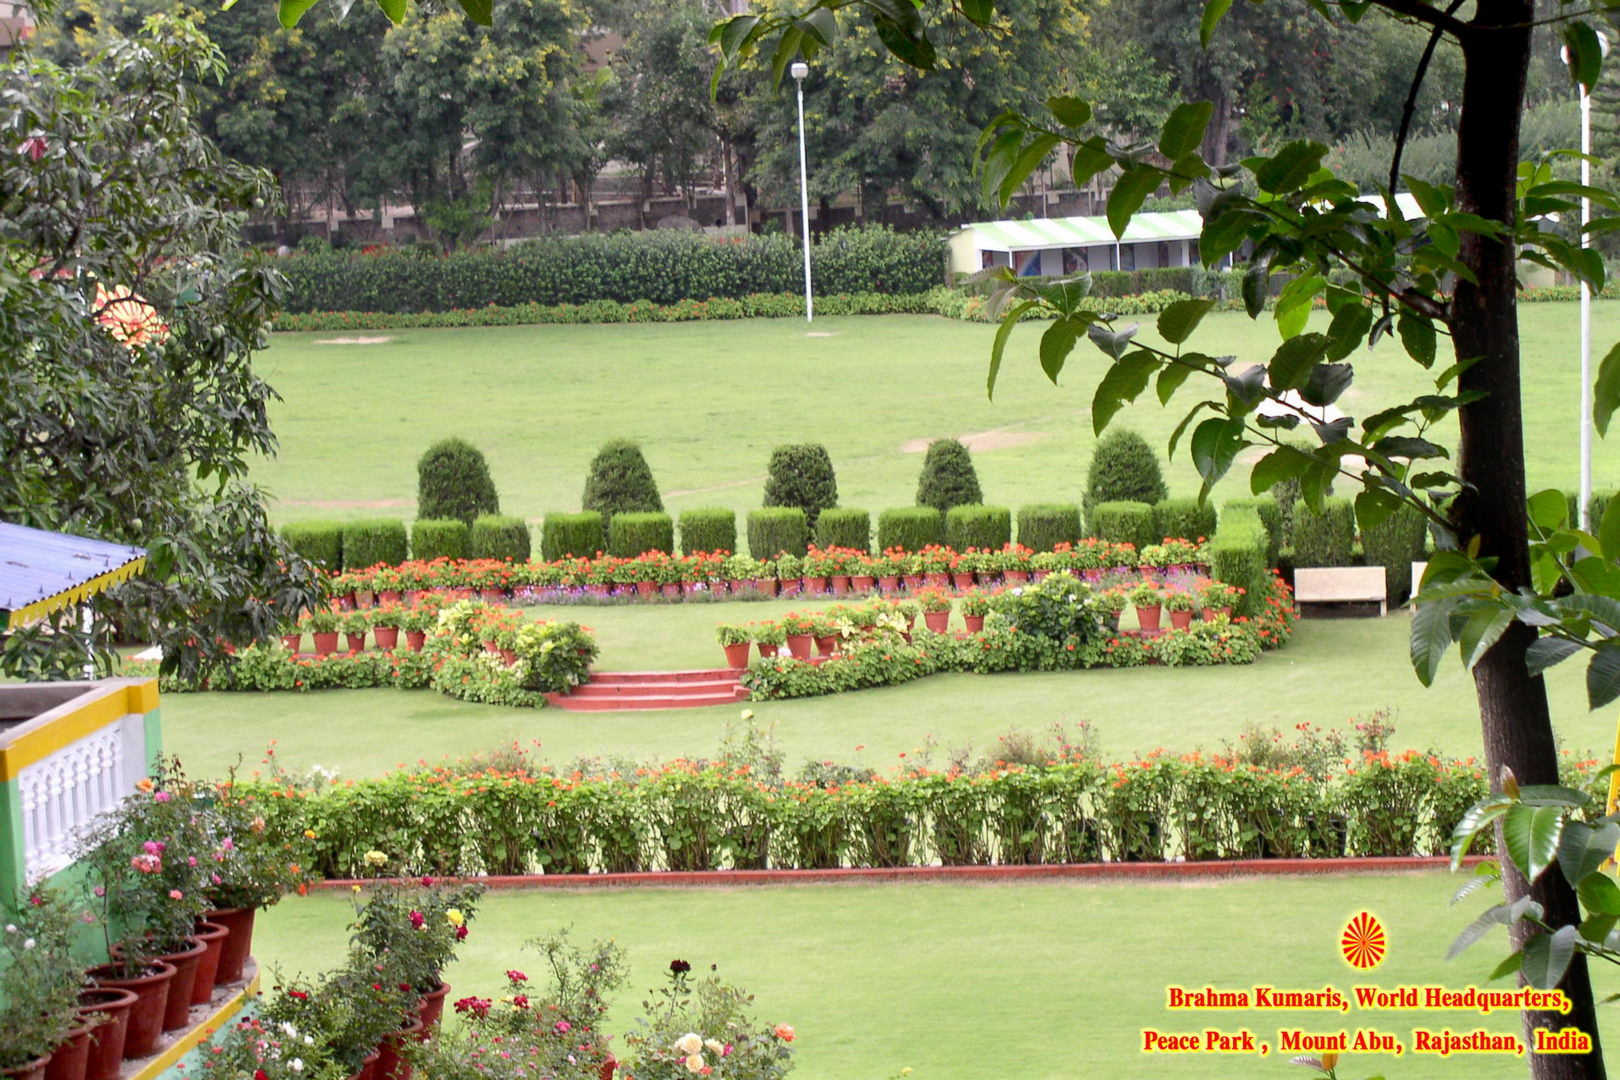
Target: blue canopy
pixel 42 572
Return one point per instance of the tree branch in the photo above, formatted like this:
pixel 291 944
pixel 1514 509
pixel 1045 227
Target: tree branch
pixel 1411 105
pixel 1443 21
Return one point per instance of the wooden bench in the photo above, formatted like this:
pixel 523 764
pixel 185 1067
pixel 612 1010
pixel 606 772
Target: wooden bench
pixel 1341 584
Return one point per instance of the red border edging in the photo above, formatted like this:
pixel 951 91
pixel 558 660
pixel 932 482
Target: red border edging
pixel 1155 871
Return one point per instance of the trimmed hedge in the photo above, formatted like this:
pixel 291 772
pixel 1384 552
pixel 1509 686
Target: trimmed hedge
pixel 988 528
pixel 1394 544
pixel 776 529
pixel 948 478
pixel 496 537
pixel 1124 468
pixel 632 533
pixel 452 481
pixel 1123 522
pixel 1270 516
pixel 620 481
pixel 321 542
pixel 373 541
pixel 1184 518
pixel 438 538
pixel 910 527
pixel 708 528
pixel 661 266
pixel 1598 504
pixel 844 527
pixel 1238 554
pixel 565 535
pixel 1043 526
pixel 801 475
pixel 1325 539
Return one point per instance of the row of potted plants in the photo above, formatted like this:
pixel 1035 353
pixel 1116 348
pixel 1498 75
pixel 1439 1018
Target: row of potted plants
pixel 821 570
pixel 384 624
pixel 172 878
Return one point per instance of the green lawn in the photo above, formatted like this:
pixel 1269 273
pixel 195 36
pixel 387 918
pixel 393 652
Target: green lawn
pixel 708 401
pixel 1333 670
pixel 961 982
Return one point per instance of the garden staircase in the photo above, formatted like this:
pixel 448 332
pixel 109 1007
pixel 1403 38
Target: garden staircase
pixel 615 691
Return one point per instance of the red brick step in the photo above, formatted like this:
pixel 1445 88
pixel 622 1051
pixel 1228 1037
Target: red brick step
pixel 615 691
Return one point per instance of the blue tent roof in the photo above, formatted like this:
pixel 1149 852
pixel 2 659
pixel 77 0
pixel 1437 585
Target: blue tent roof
pixel 41 571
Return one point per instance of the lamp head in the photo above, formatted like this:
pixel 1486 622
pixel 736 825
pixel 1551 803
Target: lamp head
pixel 799 70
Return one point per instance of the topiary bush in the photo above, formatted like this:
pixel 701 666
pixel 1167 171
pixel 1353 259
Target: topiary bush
pixel 439 538
pixel 373 541
pixel 620 482
pixel 565 535
pixel 1184 519
pixel 1237 555
pixel 1123 468
pixel 775 530
pixel 1395 543
pixel 496 537
pixel 988 528
pixel 634 532
pixel 1123 522
pixel 321 542
pixel 1598 504
pixel 1043 526
pixel 708 528
pixel 948 478
pixel 453 481
pixel 801 475
pixel 1270 515
pixel 844 527
pixel 910 527
pixel 1325 539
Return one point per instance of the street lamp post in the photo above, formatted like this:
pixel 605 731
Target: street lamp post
pixel 800 69
pixel 1583 513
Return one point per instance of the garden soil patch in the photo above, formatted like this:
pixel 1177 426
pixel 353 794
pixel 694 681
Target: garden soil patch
pixel 981 440
pixel 354 341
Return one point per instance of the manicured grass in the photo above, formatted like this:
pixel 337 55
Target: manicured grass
pixel 961 982
pixel 1333 670
pixel 708 401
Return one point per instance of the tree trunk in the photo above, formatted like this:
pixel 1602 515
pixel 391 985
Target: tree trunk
pixel 1514 717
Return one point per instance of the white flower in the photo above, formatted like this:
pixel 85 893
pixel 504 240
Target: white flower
pixel 28 943
pixel 11 928
pixel 714 1046
pixel 694 1063
pixel 690 1043
pixel 296 1064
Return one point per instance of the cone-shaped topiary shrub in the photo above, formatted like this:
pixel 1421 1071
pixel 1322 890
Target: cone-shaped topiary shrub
pixel 620 481
pixel 802 475
pixel 452 481
pixel 948 478
pixel 1123 468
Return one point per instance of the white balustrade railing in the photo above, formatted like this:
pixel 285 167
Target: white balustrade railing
pixel 65 791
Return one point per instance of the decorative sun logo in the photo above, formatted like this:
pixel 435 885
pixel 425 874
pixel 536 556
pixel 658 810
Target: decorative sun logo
pixel 1363 942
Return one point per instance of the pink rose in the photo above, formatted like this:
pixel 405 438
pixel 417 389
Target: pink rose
pixel 562 1027
pixel 162 796
pixel 176 894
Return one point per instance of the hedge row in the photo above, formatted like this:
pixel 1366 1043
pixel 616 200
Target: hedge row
pixel 1239 554
pixel 726 814
pixel 661 267
pixel 355 545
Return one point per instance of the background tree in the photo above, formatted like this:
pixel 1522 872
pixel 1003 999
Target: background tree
pixel 801 475
pixel 131 406
pixel 619 481
pixel 453 481
pixel 948 478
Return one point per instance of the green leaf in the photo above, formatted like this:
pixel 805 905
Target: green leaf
pixel 1405 446
pixel 1027 161
pixel 1175 436
pixel 1608 533
pixel 1482 629
pixel 1257 284
pixel 1214 12
pixel 1489 919
pixel 1531 834
pixel 980 12
pixel 1123 382
pixel 1585 54
pixel 1475 820
pixel 1008 321
pixel 1547 957
pixel 1293 308
pixel 1350 324
pixel 906 38
pixel 1181 318
pixel 1290 167
pixel 1283 463
pixel 1112 343
pixel 481 12
pixel 1326 383
pixel 1548 509
pixel 1068 111
pixel 999 161
pixel 1374 507
pixel 1173 375
pixel 1583 849
pixel 1132 188
pixel 1215 444
pixel 821 24
pixel 1090 158
pixel 1603 675
pixel 1417 337
pixel 1183 132
pixel 1606 392
pixel 1544 652
pixel 1056 344
pixel 290 11
pixel 394 9
pixel 1507 967
pixel 1599 894
pixel 1290 366
pixel 1430 638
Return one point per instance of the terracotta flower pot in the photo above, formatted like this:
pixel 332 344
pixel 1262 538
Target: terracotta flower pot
pixel 105 1050
pixel 292 641
pixel 765 586
pixel 151 988
pixel 937 579
pixel 364 598
pixel 389 1066
pixel 799 645
pixel 889 583
pixel 355 642
pixel 1181 619
pixel 974 623
pixel 415 639
pixel 387 637
pixel 391 596
pixel 812 586
pixel 32 1070
pixel 1147 617
pixel 325 643
pixel 177 1007
pixel 646 588
pixel 840 584
pixel 827 644
pixel 213 936
pixel 737 655
pixel 670 589
pixel 368 1067
pixel 70 1060
pixel 236 947
pixel 937 621
pixel 962 581
pixel 914 581
pixel 862 582
pixel 431 1007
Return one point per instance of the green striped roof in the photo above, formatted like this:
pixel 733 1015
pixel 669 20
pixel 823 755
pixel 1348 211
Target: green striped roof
pixel 1083 231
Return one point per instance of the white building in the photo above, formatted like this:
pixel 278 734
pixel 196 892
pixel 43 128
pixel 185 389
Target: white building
pixel 1056 246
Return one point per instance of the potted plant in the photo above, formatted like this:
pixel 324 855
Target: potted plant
pixel 934 563
pixel 975 606
pixel 292 637
pixel 360 584
pixel 412 934
pixel 322 624
pixel 936 608
pixel 1016 563
pixel 813 572
pixel 824 630
pixel 388 583
pixel 39 985
pixel 1113 603
pixel 1217 599
pixel 800 629
pixel 385 626
pixel 770 637
pixel 354 625
pixel 910 569
pixel 416 622
pixel 736 641
pixel 963 568
pixel 1180 604
pixel 909 609
pixel 1147 599
pixel 1184 555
